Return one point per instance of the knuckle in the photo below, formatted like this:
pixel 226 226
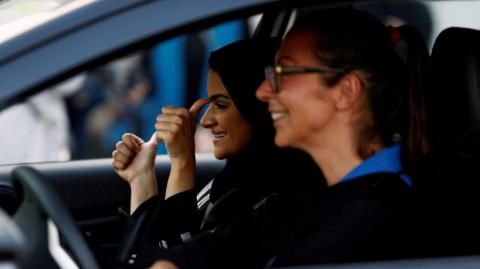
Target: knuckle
pixel 176 129
pixel 120 166
pixel 168 137
pixel 179 120
pixel 124 148
pixel 184 112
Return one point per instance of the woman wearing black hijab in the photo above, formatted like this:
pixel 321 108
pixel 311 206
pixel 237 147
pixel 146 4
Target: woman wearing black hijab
pixel 243 135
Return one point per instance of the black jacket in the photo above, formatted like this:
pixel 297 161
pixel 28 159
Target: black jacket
pixel 361 219
pixel 246 180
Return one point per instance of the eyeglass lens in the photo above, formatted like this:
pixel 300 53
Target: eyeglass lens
pixel 272 78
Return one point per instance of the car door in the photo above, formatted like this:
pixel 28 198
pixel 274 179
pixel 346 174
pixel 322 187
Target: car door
pixel 97 198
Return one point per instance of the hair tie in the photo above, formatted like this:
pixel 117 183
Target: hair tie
pixel 395 35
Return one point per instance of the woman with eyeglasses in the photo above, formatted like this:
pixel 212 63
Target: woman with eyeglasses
pixel 337 91
pixel 242 134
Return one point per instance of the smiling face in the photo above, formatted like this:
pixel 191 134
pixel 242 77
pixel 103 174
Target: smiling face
pixel 231 132
pixel 304 108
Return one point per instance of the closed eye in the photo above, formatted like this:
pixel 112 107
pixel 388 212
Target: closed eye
pixel 220 105
pixel 220 101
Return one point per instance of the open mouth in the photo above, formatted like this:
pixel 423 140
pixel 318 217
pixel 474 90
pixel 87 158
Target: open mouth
pixel 278 115
pixel 219 135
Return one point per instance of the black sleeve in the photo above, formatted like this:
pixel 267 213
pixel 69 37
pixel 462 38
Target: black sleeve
pixel 246 242
pixel 179 220
pixel 160 223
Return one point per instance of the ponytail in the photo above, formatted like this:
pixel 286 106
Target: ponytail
pixel 418 75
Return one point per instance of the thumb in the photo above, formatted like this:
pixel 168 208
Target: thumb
pixel 151 145
pixel 197 106
pixel 153 139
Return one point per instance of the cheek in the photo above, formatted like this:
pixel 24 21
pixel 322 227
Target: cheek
pixel 308 110
pixel 294 103
pixel 240 134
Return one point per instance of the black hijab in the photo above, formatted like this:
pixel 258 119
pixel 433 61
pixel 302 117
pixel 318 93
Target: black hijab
pixel 261 168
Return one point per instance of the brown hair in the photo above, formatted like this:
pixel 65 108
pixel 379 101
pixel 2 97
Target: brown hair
pixel 354 40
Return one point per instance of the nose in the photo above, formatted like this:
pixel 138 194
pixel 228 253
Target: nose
pixel 207 120
pixel 264 93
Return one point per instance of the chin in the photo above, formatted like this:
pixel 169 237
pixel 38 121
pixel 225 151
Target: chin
pixel 220 155
pixel 281 141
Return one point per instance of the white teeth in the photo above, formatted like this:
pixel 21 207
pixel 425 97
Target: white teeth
pixel 276 116
pixel 220 135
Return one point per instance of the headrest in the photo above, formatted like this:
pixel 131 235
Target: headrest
pixel 453 101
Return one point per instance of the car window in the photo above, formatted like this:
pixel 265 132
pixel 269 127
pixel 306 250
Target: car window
pixel 83 117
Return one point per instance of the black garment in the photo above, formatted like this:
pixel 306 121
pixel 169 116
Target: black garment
pixel 246 180
pixel 161 223
pixel 361 219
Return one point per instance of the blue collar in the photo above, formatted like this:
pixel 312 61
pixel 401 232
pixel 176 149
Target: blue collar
pixel 385 161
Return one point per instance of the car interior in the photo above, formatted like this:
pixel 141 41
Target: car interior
pixel 85 203
pixel 448 182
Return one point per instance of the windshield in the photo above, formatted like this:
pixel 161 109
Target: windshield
pixel 18 16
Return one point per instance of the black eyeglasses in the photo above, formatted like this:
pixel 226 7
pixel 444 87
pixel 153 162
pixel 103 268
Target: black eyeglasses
pixel 273 73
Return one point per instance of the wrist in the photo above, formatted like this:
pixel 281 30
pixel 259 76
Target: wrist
pixel 182 163
pixel 142 177
pixel 144 182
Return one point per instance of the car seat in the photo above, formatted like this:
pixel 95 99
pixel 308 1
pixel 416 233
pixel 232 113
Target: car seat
pixel 448 184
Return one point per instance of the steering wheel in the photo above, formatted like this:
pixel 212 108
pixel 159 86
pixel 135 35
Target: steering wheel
pixel 44 219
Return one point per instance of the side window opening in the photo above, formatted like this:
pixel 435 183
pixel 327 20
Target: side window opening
pixel 84 116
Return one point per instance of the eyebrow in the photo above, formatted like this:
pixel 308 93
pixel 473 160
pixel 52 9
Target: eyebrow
pixel 284 58
pixel 216 96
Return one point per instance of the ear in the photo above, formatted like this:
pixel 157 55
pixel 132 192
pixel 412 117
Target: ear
pixel 350 91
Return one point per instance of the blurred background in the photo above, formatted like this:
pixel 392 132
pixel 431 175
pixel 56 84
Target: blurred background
pixel 84 116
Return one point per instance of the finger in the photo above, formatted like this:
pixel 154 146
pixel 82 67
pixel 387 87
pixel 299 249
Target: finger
pixel 180 112
pixel 179 116
pixel 164 136
pixel 170 127
pixel 115 163
pixel 172 118
pixel 118 156
pixel 171 109
pixel 125 149
pixel 118 165
pixel 197 106
pixel 132 141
